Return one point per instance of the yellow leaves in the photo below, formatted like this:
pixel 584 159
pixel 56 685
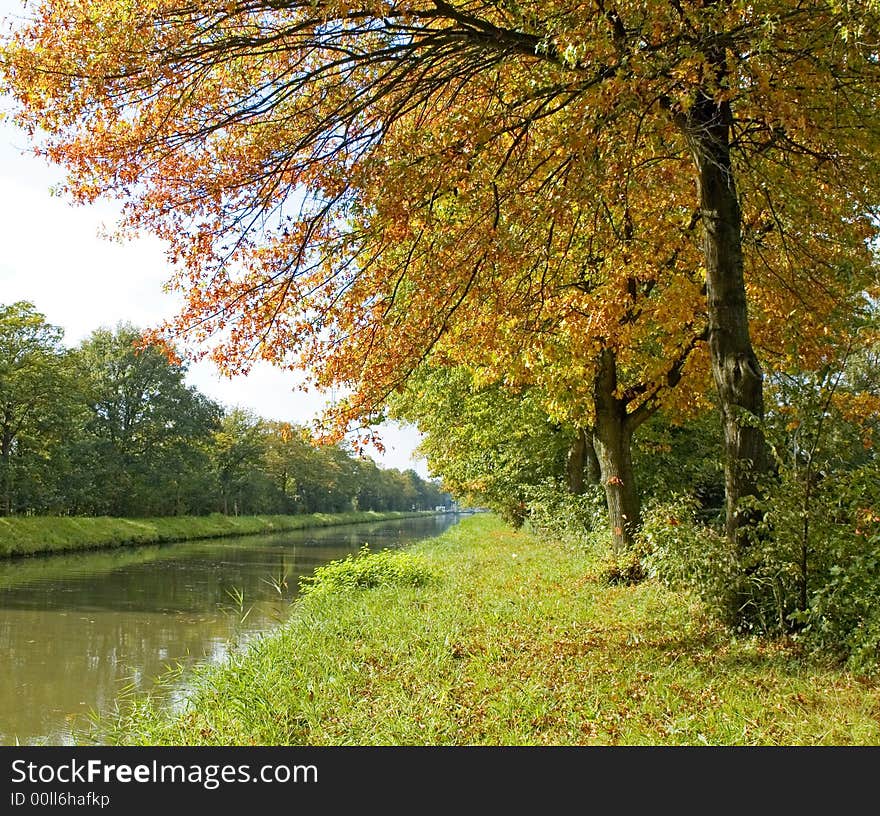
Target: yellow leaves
pixel 358 215
pixel 869 515
pixel 856 406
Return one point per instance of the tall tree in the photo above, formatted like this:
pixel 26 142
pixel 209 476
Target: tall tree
pixel 489 446
pixel 286 450
pixel 315 164
pixel 36 387
pixel 148 430
pixel 238 451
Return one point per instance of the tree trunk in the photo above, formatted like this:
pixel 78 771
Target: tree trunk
pixel 612 438
pixel 6 465
pixel 6 440
pixel 593 472
pixel 735 367
pixel 582 465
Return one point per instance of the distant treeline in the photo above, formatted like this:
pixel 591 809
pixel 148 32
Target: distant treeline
pixel 109 429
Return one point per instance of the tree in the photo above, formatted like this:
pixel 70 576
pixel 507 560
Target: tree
pixel 320 167
pixel 238 450
pixel 148 431
pixel 488 445
pixel 36 388
pixel 286 453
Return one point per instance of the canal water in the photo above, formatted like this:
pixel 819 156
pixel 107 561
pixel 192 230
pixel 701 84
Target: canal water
pixel 80 632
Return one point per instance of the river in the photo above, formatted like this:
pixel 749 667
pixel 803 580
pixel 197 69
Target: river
pixel 80 632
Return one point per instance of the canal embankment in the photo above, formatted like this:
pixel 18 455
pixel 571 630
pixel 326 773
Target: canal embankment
pixel 489 636
pixel 44 535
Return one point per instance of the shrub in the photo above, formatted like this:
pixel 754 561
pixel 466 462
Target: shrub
pixel 841 616
pixel 682 553
pixel 627 569
pixel 844 618
pixel 366 570
pixel 554 511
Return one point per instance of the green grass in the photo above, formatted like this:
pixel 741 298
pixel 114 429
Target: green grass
pixel 509 640
pixel 32 535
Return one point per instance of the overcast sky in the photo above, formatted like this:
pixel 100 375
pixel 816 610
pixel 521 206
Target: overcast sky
pixel 52 254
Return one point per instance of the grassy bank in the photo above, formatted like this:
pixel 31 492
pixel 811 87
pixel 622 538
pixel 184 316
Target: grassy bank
pixel 486 636
pixel 33 535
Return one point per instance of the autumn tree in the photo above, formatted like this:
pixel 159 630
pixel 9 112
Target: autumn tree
pixel 358 187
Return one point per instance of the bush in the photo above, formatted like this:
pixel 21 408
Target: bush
pixel 684 554
pixel 811 568
pixel 844 618
pixel 627 569
pixel 366 570
pixel 841 617
pixel 554 511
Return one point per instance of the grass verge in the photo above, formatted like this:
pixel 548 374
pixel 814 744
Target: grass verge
pixel 38 535
pixel 508 641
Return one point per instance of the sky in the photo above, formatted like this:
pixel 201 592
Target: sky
pixel 52 253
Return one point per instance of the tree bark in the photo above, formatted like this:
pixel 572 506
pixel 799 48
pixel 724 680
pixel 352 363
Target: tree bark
pixel 6 439
pixel 6 465
pixel 735 368
pixel 583 465
pixel 612 438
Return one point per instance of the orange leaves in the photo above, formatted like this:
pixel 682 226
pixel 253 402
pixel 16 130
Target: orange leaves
pixel 357 188
pixel 153 339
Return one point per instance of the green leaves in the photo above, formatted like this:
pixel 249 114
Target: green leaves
pixel 368 570
pixel 488 442
pixel 38 392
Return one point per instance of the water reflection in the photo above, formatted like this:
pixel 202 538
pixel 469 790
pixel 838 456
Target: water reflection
pixel 77 630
